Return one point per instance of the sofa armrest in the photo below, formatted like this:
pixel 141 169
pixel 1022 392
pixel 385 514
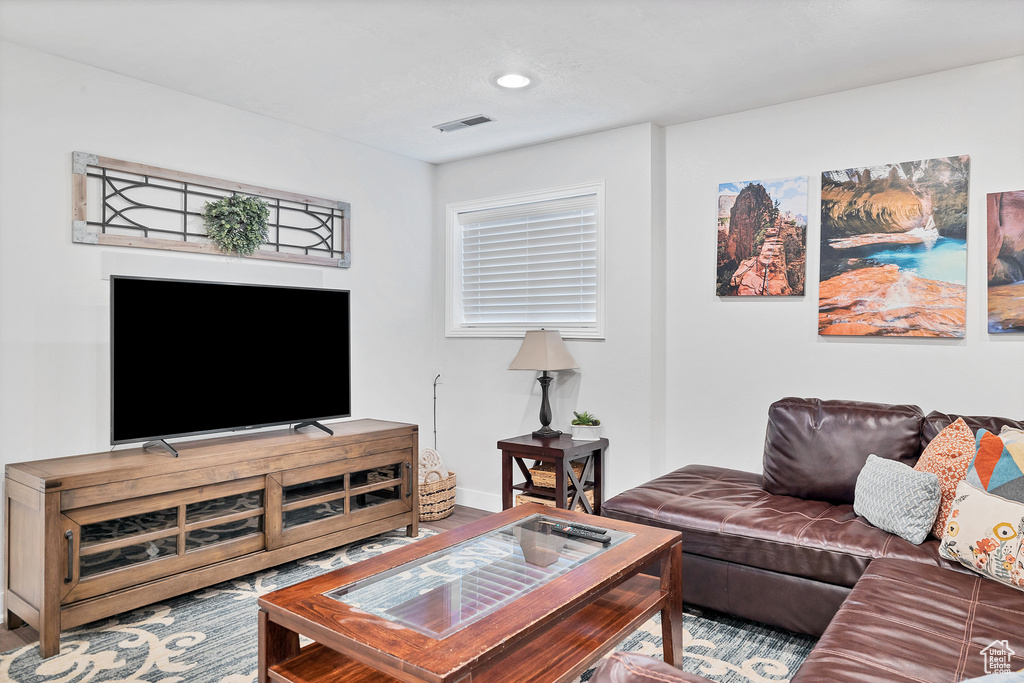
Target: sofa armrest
pixel 623 667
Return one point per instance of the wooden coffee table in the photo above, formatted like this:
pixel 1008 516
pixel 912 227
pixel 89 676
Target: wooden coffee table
pixel 500 599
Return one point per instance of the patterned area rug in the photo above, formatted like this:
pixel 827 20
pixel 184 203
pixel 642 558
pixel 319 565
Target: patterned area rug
pixel 210 635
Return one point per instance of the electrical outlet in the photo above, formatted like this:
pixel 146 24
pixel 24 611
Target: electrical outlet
pixel 439 375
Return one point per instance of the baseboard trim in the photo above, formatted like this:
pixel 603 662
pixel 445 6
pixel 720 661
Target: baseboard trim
pixel 482 500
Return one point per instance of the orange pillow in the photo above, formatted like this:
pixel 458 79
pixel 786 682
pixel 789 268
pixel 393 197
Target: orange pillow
pixel 948 456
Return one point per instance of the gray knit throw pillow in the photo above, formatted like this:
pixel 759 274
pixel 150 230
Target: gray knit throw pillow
pixel 897 498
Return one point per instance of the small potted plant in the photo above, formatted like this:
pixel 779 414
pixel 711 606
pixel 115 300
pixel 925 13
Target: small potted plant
pixel 585 427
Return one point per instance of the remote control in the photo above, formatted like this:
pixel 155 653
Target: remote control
pixel 592 529
pixel 604 539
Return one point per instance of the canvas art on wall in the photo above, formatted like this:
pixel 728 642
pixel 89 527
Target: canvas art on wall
pixel 1006 261
pixel 762 237
pixel 894 249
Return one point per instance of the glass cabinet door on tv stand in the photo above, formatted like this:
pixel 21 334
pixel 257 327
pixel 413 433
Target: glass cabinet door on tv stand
pixel 311 501
pixel 120 544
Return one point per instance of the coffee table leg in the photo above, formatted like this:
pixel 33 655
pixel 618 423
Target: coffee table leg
pixel 276 644
pixel 672 612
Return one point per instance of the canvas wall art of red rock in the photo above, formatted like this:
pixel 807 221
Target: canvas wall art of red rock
pixel 1005 261
pixel 762 237
pixel 894 249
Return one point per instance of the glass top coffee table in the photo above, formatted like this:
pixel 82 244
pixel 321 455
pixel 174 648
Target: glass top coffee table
pixel 506 598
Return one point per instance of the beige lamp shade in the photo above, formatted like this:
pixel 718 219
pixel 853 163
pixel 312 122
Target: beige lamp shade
pixel 543 350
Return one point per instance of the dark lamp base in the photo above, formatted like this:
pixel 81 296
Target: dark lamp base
pixel 545 431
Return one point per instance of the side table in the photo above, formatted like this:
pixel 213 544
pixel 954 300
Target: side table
pixel 562 452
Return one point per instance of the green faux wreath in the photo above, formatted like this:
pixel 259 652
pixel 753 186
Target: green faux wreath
pixel 237 223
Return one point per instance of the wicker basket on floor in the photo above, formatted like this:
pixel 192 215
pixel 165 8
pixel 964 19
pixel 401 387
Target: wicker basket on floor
pixel 437 498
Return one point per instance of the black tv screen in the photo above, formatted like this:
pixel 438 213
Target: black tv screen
pixel 198 357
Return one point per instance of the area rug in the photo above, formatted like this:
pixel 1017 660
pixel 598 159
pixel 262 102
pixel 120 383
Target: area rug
pixel 210 636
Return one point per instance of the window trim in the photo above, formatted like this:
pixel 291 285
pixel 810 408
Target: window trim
pixel 453 263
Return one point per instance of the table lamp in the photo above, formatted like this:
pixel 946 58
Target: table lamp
pixel 543 350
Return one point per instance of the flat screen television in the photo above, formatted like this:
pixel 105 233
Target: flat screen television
pixel 191 357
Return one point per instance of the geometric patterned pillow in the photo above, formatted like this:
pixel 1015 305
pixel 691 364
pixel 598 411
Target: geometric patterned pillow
pixel 895 498
pixel 998 466
pixel 948 456
pixel 984 533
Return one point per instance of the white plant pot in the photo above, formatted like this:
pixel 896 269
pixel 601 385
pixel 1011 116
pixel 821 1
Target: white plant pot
pixel 586 432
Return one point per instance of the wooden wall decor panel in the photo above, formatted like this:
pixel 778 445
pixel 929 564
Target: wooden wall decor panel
pixel 126 204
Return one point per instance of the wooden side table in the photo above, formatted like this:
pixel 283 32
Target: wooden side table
pixel 562 452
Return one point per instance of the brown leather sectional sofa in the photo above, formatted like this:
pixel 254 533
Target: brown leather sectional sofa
pixel 785 548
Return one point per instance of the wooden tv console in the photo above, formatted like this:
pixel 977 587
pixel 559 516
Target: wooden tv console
pixel 90 536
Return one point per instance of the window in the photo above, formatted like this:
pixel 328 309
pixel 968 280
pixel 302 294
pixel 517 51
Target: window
pixel 527 261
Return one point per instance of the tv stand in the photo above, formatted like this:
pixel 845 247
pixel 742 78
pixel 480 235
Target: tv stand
pixel 313 423
pixel 161 443
pixel 91 536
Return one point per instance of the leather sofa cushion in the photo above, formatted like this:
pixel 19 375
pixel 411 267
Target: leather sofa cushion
pixel 726 515
pixel 935 422
pixel 905 622
pixel 815 449
pixel 761 595
pixel 625 667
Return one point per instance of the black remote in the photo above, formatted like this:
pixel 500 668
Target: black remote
pixel 592 529
pixel 581 527
pixel 568 530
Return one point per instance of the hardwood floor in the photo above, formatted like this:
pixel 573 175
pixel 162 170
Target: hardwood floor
pixel 26 635
pixel 17 638
pixel 460 515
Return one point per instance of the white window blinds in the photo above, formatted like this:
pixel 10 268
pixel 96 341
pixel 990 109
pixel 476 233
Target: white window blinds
pixel 529 264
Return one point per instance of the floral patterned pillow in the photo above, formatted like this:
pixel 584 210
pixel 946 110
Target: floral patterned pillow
pixel 984 533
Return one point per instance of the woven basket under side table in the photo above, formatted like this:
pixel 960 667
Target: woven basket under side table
pixel 437 498
pixel 524 498
pixel 544 474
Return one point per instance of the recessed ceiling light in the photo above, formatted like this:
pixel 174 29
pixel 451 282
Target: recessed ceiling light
pixel 513 81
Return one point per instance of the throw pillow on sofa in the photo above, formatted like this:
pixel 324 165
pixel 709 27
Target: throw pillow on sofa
pixel 984 533
pixel 895 497
pixel 1008 434
pixel 998 466
pixel 948 456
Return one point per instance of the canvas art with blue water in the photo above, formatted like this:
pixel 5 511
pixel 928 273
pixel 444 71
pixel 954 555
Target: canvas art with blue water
pixel 894 249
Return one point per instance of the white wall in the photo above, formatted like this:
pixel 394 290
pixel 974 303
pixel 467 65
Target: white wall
pixel 728 359
pixel 481 401
pixel 54 369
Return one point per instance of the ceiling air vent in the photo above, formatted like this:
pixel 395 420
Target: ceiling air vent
pixel 463 123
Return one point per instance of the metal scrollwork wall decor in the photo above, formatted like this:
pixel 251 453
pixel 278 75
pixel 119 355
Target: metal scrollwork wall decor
pixel 126 204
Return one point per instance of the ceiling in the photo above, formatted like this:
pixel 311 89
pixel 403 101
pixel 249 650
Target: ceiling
pixel 383 72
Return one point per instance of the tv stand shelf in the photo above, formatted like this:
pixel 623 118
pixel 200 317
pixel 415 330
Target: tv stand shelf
pixel 90 536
